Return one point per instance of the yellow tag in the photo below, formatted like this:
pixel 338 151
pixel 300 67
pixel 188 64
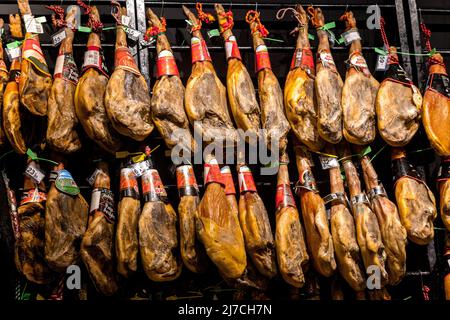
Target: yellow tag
pixel 122 154
pixel 138 158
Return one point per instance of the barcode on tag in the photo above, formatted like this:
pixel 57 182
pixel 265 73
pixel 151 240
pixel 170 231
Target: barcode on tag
pixel 328 162
pixel 382 63
pixel 126 21
pixel 34 173
pixel 132 33
pixel 58 37
pixel 13 53
pixel 139 168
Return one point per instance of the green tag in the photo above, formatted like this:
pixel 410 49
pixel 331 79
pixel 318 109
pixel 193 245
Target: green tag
pixel 188 22
pixel 433 51
pixel 341 40
pixel 109 28
pixel 365 151
pixel 84 29
pixel 328 26
pixel 213 33
pixel 14 44
pixel 381 51
pixel 272 39
pixel 33 156
pixel 66 184
pixel 311 37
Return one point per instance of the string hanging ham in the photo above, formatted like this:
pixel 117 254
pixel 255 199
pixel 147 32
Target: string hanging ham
pixel 127 99
pixel 62 120
pixel 359 91
pixel 91 88
pixel 398 102
pixel 35 80
pixel 273 120
pixel 327 83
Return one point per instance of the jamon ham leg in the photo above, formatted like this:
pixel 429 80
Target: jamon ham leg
pixel 97 244
pixel 416 202
pixel 127 99
pixel 218 225
pixel 90 93
pixel 205 99
pixel 35 80
pixel 62 120
pixel 328 84
pixel 319 240
pixel 12 116
pixel 367 227
pixel 29 247
pixel 436 106
pixel 240 89
pixel 398 105
pixel 273 120
pixel 167 102
pixel 290 243
pixel 358 94
pixel 343 231
pixel 66 217
pixel 393 233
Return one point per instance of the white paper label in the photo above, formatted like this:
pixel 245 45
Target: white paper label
pixel 228 48
pixel 34 173
pixel 95 200
pixel 42 19
pixel 132 33
pixel 328 162
pixel 32 25
pixel 91 57
pixel 58 37
pixel 59 64
pixel 91 179
pixel 140 167
pixel 14 53
pixel 382 62
pixel 350 36
pixel 126 20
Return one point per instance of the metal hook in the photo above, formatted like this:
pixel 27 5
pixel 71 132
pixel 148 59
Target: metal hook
pixel 256 6
pixel 162 9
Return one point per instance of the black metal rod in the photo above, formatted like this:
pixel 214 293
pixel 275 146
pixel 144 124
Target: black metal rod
pixel 266 5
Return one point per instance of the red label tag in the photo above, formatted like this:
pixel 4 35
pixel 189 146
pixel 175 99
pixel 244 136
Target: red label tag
pixel 32 52
pixel 186 182
pixel 232 49
pixel 327 61
pixel 212 173
pixel 125 60
pixel 3 66
pixel 359 63
pixel 166 64
pixel 228 178
pixel 199 50
pixel 304 59
pixel 262 58
pixel 128 183
pixel 246 182
pixel 66 68
pixel 152 186
pixel 33 195
pixel 93 58
pixel 284 197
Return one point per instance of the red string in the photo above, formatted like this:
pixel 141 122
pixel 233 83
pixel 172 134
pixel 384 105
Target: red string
pixel 229 23
pixel 426 34
pixel 383 32
pixel 253 16
pixel 57 22
pixel 93 23
pixel 154 30
pixel 205 17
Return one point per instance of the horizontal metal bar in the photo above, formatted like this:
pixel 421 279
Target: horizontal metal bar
pixel 418 273
pixel 268 47
pixel 225 4
pixel 435 10
pixel 78 45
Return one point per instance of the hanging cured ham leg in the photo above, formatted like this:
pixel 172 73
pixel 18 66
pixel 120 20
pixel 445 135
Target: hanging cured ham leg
pixel 205 99
pixel 241 93
pixel 129 210
pixel 97 244
pixel 319 240
pixel 291 250
pixel 444 191
pixel 273 120
pixel 12 116
pixel 29 247
pixel 35 79
pixel 218 225
pixel 416 202
pixel 66 217
pixel 90 92
pixel 393 233
pixel 167 102
pixel 367 227
pixel 62 120
pixel 348 256
pixel 328 84
pixel 359 91
pixel 127 99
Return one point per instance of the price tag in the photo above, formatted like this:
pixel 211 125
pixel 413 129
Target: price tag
pixel 58 37
pixel 328 162
pixel 350 36
pixel 34 173
pixel 32 25
pixel 382 63
pixel 126 21
pixel 91 179
pixel 13 53
pixel 139 168
pixel 42 19
pixel 133 34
